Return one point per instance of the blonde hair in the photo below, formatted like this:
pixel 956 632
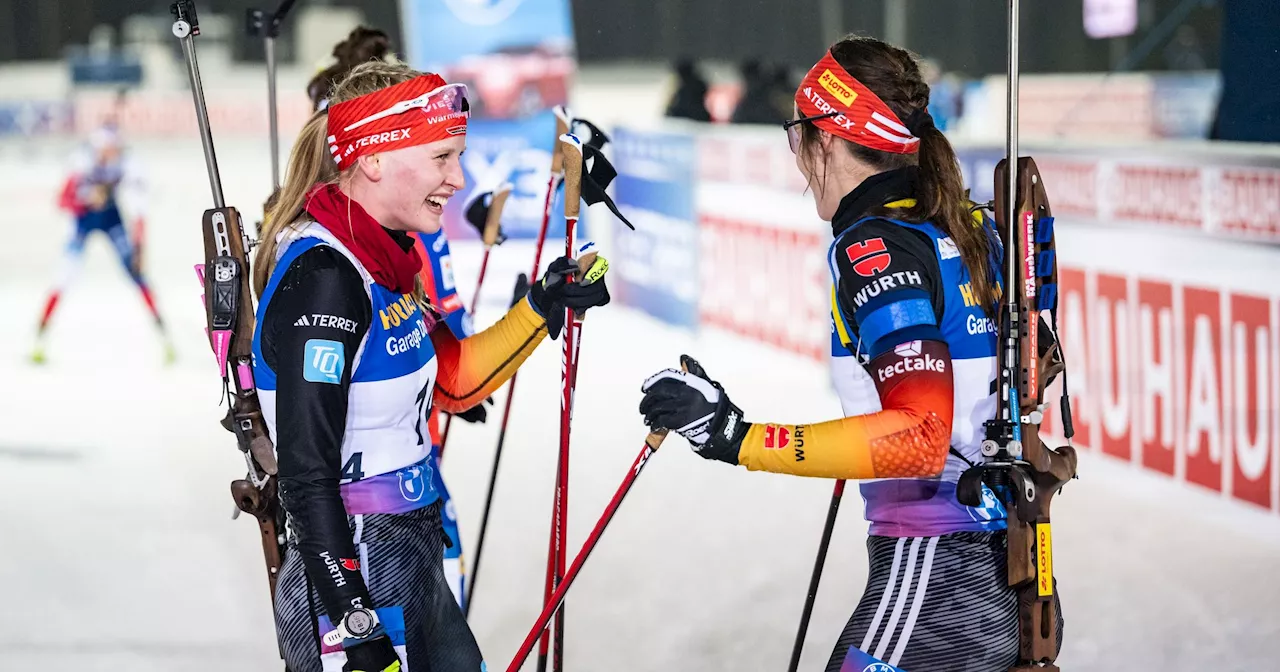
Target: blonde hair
pixel 310 164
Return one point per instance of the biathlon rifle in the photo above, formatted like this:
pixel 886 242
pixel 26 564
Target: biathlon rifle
pixel 229 310
pixel 1023 472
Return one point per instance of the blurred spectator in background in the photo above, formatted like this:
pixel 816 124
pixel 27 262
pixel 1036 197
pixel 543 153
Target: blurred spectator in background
pixel 783 91
pixel 757 104
pixel 1249 110
pixel 1184 51
pixel 944 94
pixel 690 98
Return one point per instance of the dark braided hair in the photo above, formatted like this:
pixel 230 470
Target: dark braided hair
pixel 894 75
pixel 361 46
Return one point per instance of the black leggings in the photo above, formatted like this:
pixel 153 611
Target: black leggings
pixel 401 559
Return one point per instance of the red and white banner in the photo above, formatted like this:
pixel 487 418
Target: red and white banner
pixel 1225 200
pixel 767 283
pixel 1179 379
pixel 172 114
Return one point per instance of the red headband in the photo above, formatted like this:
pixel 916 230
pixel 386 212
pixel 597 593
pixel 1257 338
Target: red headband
pixel 862 117
pixel 421 110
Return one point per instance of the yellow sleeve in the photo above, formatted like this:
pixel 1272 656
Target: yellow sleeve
pixel 910 438
pixel 476 366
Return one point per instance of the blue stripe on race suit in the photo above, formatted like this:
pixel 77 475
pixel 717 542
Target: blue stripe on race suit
pixel 445 285
pixel 263 376
pixel 923 332
pixel 448 513
pixel 893 316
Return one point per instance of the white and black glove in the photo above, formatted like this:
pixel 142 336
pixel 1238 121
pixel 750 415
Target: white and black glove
pixel 692 405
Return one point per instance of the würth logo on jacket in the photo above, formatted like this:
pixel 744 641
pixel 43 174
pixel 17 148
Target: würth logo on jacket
pixel 868 257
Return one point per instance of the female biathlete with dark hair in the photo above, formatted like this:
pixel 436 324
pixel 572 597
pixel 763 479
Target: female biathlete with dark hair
pixel 349 359
pixel 915 285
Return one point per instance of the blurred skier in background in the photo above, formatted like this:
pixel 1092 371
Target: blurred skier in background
pixel 102 176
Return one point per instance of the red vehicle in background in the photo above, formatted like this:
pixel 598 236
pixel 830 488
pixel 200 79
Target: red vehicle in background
pixel 515 82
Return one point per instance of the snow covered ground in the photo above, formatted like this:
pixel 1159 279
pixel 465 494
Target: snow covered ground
pixel 119 552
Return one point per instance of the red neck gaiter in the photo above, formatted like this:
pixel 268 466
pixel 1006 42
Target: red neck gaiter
pixel 390 265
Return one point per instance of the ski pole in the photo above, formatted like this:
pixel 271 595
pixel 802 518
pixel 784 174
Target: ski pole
pixel 492 225
pixel 268 28
pixel 522 285
pixel 818 562
pixel 572 153
pixel 553 183
pixel 651 444
pixel 557 176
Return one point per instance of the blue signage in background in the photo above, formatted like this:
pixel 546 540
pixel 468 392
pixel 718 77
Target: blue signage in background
pixel 655 267
pixel 979 169
pixel 517 59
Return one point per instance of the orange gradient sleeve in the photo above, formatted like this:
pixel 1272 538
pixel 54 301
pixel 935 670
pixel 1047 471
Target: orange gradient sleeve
pixel 476 366
pixel 909 438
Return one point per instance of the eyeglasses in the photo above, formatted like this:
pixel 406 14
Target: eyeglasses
pixel 793 128
pixel 447 100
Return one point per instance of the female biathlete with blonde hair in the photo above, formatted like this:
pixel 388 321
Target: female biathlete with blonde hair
pixel 349 359
pixel 363 45
pixel 915 284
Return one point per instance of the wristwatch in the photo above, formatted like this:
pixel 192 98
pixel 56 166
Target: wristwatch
pixel 357 623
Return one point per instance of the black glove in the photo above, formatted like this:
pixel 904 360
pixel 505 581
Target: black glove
pixel 522 289
pixel 554 293
pixel 692 405
pixel 477 413
pixel 375 655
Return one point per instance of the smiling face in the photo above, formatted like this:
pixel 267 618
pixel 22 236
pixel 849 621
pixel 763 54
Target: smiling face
pixel 406 189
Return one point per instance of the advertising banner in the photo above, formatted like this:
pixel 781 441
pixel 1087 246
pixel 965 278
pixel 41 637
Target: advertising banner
pixel 516 58
pixel 656 266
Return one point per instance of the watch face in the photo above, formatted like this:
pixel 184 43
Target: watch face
pixel 359 623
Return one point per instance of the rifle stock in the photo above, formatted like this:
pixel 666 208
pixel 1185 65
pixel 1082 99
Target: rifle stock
pixel 1041 471
pixel 229 310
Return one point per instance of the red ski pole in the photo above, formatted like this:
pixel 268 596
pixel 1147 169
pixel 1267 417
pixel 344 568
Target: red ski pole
pixel 557 175
pixel 572 200
pixel 493 220
pixel 651 444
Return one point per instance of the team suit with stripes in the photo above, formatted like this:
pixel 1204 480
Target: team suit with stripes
pixel 914 362
pixel 347 371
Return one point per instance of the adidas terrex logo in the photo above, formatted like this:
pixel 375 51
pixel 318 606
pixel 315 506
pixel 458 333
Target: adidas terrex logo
pixel 730 424
pixel 925 363
pixel 331 321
